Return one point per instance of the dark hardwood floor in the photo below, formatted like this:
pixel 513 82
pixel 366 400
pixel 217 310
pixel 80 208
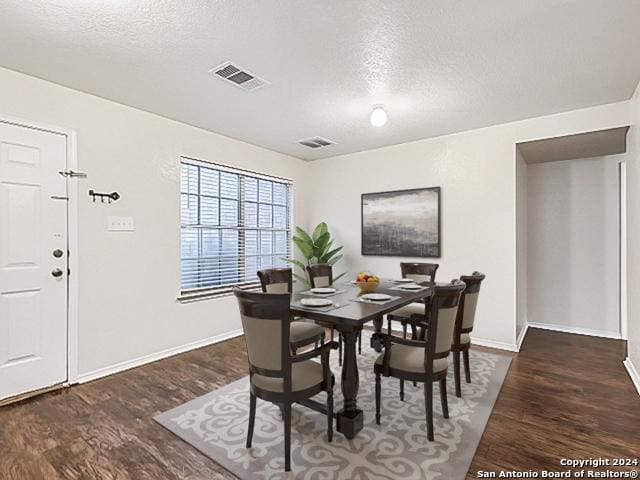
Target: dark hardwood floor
pixel 565 396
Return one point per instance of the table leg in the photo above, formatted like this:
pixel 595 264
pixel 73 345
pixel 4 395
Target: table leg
pixel 350 418
pixel 377 327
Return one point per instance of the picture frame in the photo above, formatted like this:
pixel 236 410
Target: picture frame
pixel 401 223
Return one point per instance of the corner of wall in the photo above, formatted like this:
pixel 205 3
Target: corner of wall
pixel 633 237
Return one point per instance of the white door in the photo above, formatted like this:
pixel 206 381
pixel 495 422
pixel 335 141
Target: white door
pixel 33 260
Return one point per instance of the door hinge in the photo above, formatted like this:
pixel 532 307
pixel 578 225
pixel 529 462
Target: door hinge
pixel 71 174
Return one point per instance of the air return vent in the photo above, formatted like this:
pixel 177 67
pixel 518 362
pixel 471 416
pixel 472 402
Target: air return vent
pixel 316 142
pixel 238 76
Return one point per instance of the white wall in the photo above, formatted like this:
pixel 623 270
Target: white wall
pixel 633 236
pixel 521 244
pixel 476 171
pixel 573 244
pixel 129 282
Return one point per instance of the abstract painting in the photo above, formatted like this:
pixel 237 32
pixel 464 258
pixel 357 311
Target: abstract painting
pixel 404 223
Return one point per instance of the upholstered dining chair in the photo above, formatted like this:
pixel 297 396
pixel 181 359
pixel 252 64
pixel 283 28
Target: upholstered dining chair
pixel 321 275
pixel 276 375
pixel 425 360
pixel 464 326
pixel 303 332
pixel 419 273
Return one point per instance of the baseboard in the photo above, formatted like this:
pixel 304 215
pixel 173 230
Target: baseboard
pixel 511 347
pixel 153 357
pixel 576 330
pixel 633 373
pixel 523 334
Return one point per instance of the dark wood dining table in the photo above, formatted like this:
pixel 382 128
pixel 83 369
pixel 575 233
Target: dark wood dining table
pixel 349 316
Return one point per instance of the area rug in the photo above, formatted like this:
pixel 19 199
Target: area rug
pixel 216 425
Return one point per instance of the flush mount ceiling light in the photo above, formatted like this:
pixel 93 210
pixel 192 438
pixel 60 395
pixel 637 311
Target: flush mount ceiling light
pixel 378 116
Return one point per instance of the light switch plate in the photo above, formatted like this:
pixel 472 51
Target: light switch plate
pixel 120 224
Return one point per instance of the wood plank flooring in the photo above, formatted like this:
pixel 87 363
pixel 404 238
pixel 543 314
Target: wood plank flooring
pixel 565 396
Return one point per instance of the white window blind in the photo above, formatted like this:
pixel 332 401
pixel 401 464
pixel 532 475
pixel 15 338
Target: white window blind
pixel 233 223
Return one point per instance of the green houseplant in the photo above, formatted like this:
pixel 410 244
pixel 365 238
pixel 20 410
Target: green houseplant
pixel 315 248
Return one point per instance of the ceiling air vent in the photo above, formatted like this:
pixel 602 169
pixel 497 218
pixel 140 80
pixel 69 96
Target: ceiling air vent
pixel 316 142
pixel 238 76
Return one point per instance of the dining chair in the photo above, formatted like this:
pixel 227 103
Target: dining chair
pixel 464 326
pixel 419 273
pixel 321 275
pixel 425 360
pixel 303 332
pixel 277 375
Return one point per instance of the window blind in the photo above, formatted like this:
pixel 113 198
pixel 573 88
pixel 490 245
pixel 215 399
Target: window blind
pixel 233 223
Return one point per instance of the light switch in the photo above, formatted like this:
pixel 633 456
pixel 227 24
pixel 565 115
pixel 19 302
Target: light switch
pixel 120 224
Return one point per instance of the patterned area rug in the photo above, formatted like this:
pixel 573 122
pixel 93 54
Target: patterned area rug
pixel 216 424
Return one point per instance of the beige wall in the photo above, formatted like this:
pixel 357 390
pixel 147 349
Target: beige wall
pixel 129 282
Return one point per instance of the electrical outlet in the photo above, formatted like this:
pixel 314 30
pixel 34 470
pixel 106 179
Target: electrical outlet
pixel 120 224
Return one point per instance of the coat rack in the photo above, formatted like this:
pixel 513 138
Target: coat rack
pixel 111 197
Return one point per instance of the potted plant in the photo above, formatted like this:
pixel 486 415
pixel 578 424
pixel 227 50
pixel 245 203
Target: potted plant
pixel 315 248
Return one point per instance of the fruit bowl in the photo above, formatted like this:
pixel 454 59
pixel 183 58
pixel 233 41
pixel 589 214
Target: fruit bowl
pixel 367 282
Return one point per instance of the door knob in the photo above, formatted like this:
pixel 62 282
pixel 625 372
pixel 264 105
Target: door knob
pixel 58 253
pixel 56 273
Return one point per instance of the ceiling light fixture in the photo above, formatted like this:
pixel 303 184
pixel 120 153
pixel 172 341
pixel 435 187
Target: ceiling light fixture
pixel 378 116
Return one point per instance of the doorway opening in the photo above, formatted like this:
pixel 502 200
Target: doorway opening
pixel 571 234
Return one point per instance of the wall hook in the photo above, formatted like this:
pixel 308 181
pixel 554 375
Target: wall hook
pixel 111 197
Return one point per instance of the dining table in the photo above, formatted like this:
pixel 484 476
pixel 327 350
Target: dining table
pixel 348 314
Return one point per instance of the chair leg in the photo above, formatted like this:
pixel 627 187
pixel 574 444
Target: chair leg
pixel 404 330
pixel 378 399
pixel 330 414
pixel 287 437
pixel 252 418
pixel 443 397
pixel 402 390
pixel 456 373
pixel 360 343
pixel 428 401
pixel 388 325
pixel 340 349
pixel 467 369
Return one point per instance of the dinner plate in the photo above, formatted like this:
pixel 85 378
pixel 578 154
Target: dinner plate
pixel 411 286
pixel 403 280
pixel 376 297
pixel 316 302
pixel 323 290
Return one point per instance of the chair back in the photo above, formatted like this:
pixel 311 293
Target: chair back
pixel 469 302
pixel 444 311
pixel 276 280
pixel 320 275
pixel 419 272
pixel 265 321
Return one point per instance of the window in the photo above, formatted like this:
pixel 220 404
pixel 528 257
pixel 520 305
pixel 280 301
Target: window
pixel 233 223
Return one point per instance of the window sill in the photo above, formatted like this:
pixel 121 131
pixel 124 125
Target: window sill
pixel 204 294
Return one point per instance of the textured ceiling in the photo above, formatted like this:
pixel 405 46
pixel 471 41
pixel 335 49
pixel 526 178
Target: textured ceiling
pixel 438 66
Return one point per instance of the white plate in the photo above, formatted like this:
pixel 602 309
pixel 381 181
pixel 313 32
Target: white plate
pixel 377 297
pixel 316 302
pixel 403 280
pixel 411 286
pixel 323 290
